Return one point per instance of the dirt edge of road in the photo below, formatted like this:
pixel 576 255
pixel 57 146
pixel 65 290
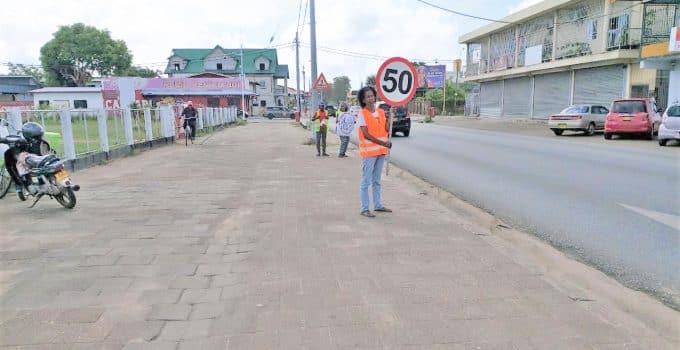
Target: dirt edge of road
pixel 585 285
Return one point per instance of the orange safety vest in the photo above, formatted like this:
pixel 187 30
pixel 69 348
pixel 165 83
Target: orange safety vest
pixel 376 128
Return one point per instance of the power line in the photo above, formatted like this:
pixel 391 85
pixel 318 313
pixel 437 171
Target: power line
pixel 461 13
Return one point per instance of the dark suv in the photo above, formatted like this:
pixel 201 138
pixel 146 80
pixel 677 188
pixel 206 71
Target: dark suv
pixel 331 111
pixel 401 122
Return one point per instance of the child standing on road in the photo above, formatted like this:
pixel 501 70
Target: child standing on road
pixel 344 127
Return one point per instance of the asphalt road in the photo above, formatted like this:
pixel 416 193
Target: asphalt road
pixel 612 206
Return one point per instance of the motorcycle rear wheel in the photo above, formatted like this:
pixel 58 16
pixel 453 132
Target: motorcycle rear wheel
pixel 67 198
pixel 5 181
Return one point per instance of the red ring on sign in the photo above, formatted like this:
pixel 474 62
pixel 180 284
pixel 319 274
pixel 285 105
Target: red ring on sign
pixel 378 86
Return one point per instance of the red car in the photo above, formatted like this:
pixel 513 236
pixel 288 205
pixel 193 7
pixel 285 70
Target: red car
pixel 633 116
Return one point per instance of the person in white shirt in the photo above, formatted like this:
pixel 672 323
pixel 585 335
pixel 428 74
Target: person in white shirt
pixel 344 127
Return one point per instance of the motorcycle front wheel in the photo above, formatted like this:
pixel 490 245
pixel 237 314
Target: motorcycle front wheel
pixel 67 198
pixel 5 181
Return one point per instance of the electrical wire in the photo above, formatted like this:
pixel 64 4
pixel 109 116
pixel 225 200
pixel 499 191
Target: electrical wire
pixel 461 13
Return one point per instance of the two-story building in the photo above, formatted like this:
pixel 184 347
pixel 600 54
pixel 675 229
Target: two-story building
pixel 660 50
pixel 260 67
pixel 539 60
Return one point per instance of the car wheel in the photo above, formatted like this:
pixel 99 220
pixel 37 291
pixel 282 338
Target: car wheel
pixel 407 132
pixel 607 136
pixel 558 132
pixel 271 116
pixel 590 131
pixel 662 142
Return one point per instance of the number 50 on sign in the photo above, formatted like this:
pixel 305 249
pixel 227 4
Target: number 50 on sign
pixel 396 81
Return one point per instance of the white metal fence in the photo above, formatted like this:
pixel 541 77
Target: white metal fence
pixel 80 132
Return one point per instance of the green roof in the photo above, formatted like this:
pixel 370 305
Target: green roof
pixel 195 59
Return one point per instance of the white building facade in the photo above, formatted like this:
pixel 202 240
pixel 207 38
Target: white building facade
pixel 540 60
pixel 68 98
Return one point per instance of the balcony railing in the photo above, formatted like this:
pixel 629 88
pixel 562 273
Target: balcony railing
pixel 658 21
pixel 624 38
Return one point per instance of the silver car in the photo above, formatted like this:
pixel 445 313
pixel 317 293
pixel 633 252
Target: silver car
pixel 581 117
pixel 670 124
pixel 279 112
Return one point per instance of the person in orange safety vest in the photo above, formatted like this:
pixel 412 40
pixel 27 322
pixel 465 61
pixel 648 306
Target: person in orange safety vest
pixel 373 129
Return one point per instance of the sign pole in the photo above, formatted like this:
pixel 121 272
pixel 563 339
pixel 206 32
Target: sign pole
pixel 389 150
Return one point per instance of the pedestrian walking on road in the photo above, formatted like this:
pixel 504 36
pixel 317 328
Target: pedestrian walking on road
pixel 374 143
pixel 320 120
pixel 344 126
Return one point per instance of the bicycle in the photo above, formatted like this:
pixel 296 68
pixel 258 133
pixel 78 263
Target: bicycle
pixel 5 178
pixel 188 132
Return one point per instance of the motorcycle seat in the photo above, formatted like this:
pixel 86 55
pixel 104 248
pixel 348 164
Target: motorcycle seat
pixel 35 161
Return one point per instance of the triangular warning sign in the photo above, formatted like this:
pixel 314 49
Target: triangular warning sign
pixel 321 83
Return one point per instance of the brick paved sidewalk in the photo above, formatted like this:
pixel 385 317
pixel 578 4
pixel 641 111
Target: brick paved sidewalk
pixel 258 244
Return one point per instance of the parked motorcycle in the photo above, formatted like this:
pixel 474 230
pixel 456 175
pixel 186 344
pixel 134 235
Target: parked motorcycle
pixel 37 175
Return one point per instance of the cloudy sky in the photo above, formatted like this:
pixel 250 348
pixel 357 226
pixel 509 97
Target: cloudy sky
pixel 353 36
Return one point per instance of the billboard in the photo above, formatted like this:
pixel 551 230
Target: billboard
pixel 431 76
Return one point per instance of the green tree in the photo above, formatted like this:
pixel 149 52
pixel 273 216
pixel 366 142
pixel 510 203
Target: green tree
pixel 339 89
pixel 77 52
pixel 370 80
pixel 20 69
pixel 135 71
pixel 453 95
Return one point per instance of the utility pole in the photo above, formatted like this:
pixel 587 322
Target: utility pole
pixel 297 74
pixel 243 93
pixel 312 33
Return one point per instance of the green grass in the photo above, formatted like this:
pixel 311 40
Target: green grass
pixel 86 130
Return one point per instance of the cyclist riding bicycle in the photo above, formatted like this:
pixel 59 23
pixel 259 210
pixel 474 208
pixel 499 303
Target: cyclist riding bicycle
pixel 189 115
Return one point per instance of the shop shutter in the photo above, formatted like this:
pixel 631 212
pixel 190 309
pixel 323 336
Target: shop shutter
pixel 600 85
pixel 516 101
pixel 490 99
pixel 551 94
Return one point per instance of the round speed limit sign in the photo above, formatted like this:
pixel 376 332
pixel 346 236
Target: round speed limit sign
pixel 396 81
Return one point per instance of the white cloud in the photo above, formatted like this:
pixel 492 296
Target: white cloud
pixel 151 29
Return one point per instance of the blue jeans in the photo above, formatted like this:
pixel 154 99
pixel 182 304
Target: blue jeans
pixel 372 170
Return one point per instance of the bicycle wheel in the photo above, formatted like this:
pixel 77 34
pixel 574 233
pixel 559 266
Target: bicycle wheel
pixel 187 132
pixel 5 181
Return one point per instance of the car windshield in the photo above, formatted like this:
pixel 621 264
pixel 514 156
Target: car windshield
pixel 628 107
pixel 401 110
pixel 575 109
pixel 673 111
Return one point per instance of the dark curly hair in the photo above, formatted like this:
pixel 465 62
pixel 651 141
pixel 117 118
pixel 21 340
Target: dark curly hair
pixel 362 94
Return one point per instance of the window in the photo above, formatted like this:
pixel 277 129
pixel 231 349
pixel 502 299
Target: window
pixel 591 30
pixel 674 111
pixel 575 109
pixel 263 103
pixel 43 103
pixel 219 66
pixel 176 66
pixel 628 107
pixel 261 66
pixel 600 110
pixel 80 104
